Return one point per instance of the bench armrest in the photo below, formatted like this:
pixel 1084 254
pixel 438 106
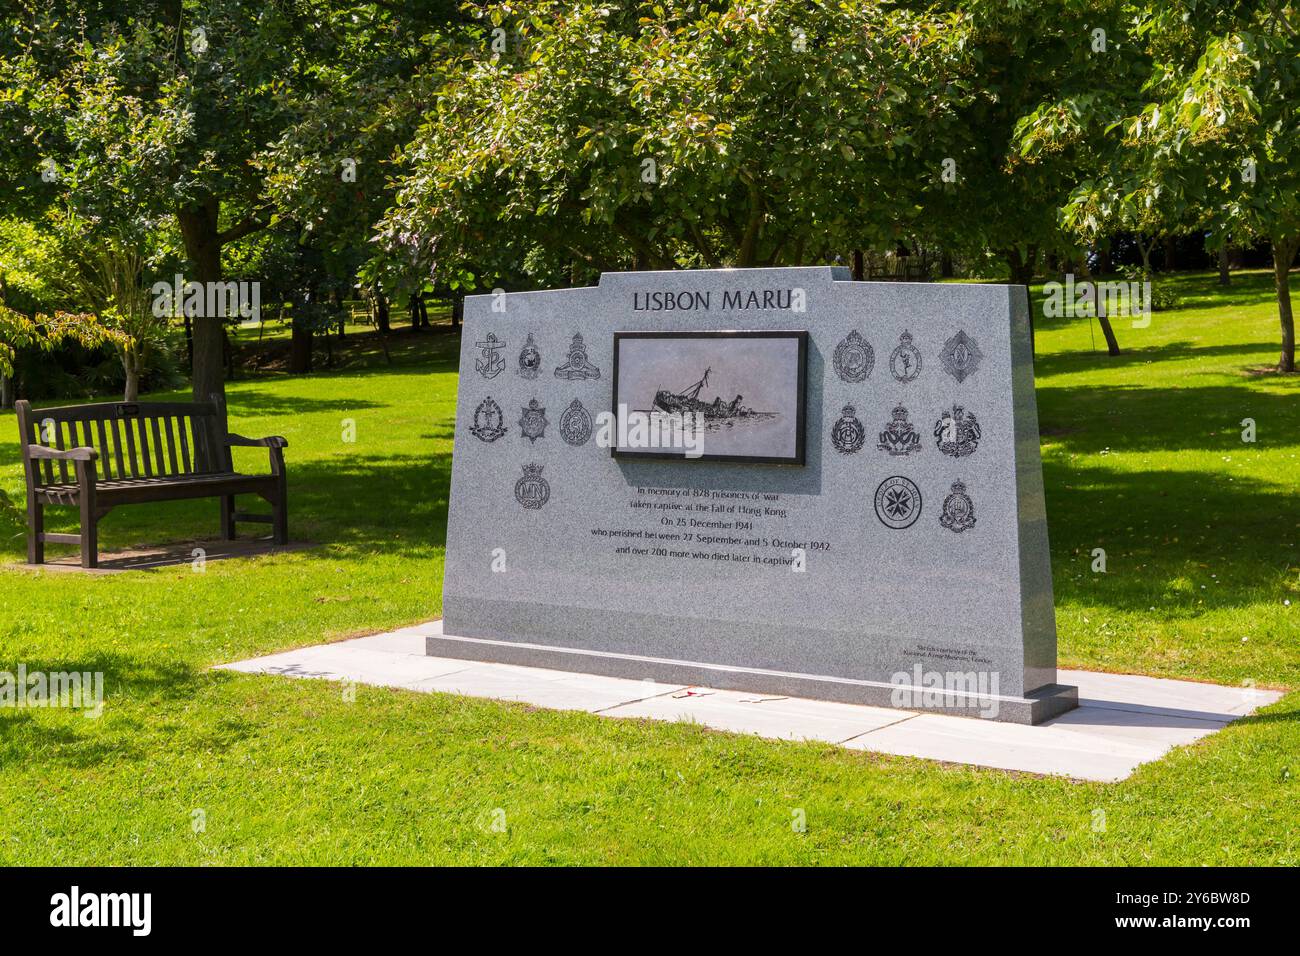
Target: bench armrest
pixel 55 454
pixel 273 441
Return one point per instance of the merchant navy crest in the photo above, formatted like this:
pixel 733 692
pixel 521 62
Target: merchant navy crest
pixel 532 425
pixel 905 360
pixel 577 367
pixel 960 356
pixel 575 424
pixel 958 510
pixel 957 433
pixel 491 363
pixel 847 434
pixel 489 423
pixel 532 490
pixel 854 358
pixel 898 502
pixel 899 437
pixel 530 360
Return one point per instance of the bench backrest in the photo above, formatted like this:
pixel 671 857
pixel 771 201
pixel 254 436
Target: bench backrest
pixel 133 439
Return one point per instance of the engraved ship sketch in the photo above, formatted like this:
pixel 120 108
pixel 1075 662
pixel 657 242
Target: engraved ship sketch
pixel 688 401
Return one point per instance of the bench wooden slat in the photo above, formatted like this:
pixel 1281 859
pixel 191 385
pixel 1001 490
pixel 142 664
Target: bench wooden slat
pixel 171 444
pixel 130 449
pixel 183 426
pixel 105 452
pixel 145 462
pixel 58 443
pixel 158 447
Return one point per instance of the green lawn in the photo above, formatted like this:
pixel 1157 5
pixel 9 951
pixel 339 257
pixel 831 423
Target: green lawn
pixel 1143 457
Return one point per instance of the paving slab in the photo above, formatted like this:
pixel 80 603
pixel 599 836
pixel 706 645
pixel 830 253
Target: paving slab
pixel 1123 720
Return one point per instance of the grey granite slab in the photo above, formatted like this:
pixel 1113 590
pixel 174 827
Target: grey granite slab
pixel 559 555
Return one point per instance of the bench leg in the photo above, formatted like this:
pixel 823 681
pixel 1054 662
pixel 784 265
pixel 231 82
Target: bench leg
pixel 35 529
pixel 228 517
pixel 280 532
pixel 89 534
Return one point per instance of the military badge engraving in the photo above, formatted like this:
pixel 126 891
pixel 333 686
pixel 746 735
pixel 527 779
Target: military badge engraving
pixel 575 424
pixel 530 360
pixel 905 360
pixel 958 510
pixel 957 433
pixel 960 356
pixel 489 422
pixel 577 367
pixel 899 437
pixel 898 502
pixel 847 434
pixel 533 423
pixel 532 490
pixel 854 358
pixel 491 363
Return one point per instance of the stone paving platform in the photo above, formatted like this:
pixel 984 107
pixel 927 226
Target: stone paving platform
pixel 1122 721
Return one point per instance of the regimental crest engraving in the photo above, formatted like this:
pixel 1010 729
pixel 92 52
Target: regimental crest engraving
pixel 577 367
pixel 532 424
pixel 532 490
pixel 960 356
pixel 958 510
pixel 489 422
pixel 575 424
pixel 854 358
pixel 847 434
pixel 899 437
pixel 898 502
pixel 905 360
pixel 490 365
pixel 530 359
pixel 957 433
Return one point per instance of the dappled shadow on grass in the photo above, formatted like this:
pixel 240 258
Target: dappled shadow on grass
pixel 1166 533
pixel 1088 418
pixel 246 401
pixel 1065 363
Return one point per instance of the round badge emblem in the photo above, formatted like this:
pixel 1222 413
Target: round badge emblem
pixel 575 424
pixel 905 360
pixel 530 359
pixel 898 502
pixel 958 510
pixel 532 490
pixel 847 434
pixel 854 358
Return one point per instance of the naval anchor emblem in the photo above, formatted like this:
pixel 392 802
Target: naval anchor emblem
pixel 575 424
pixel 957 433
pixel 489 423
pixel 533 423
pixel 905 360
pixel 854 358
pixel 577 367
pixel 491 363
pixel 899 437
pixel 958 510
pixel 530 360
pixel 532 490
pixel 960 356
pixel 847 434
pixel 898 502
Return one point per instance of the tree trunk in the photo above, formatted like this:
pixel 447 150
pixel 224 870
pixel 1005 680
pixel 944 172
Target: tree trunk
pixel 1112 344
pixel 1103 260
pixel 946 270
pixel 1284 252
pixel 381 313
pixel 1225 267
pixel 859 267
pixel 131 368
pixel 413 305
pixel 1023 268
pixel 6 391
pixel 1171 253
pixel 457 310
pixel 300 349
pixel 198 225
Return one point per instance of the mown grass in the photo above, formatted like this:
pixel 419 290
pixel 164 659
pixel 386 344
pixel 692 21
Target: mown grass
pixel 1142 457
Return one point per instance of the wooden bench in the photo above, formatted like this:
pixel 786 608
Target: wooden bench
pixel 96 457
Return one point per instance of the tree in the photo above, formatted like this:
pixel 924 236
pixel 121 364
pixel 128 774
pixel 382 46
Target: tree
pixel 716 134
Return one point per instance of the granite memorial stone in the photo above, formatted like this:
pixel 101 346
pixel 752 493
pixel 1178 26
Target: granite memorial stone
pixel 848 505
